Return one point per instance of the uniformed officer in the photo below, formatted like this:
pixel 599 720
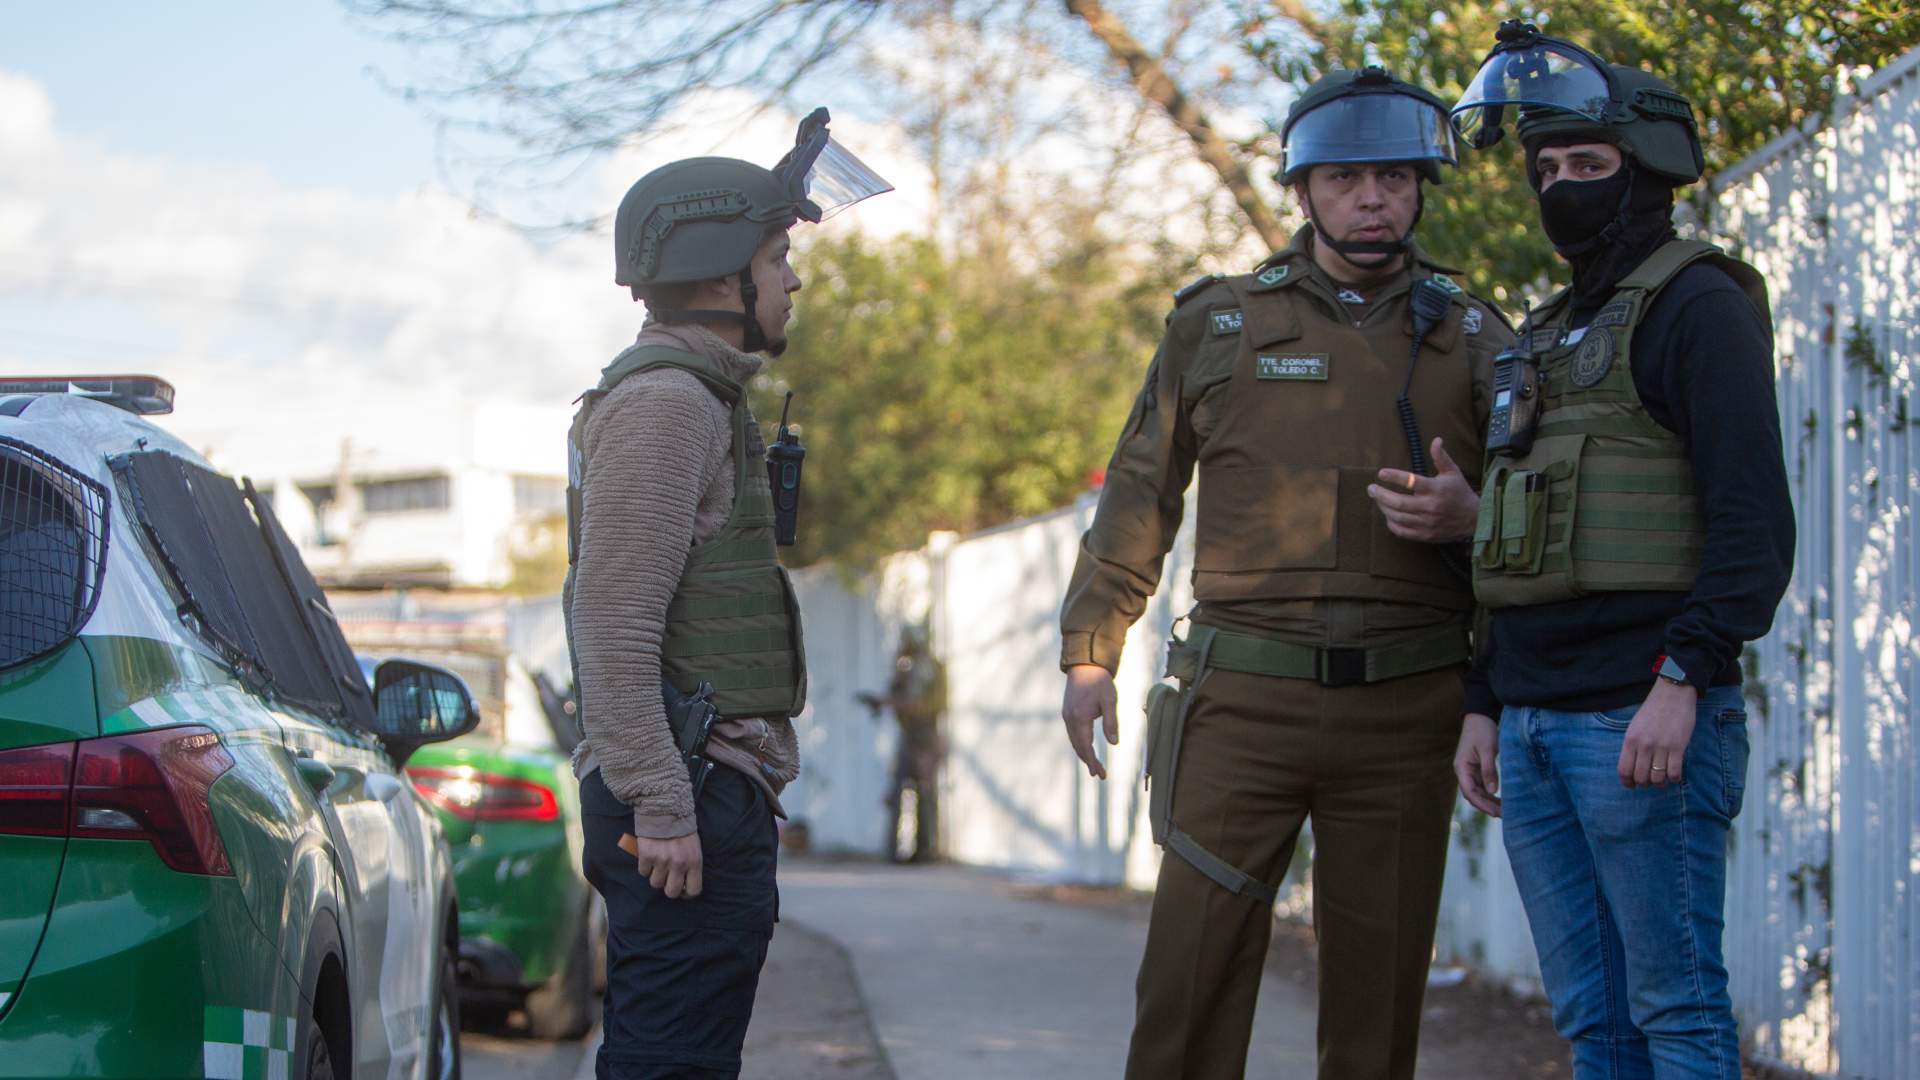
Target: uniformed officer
pixel 675 581
pixel 1321 676
pixel 1636 532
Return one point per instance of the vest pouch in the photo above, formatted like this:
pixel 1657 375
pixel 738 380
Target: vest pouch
pixel 1165 717
pixel 1523 521
pixel 1487 553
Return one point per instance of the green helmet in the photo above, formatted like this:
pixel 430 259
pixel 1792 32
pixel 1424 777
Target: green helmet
pixel 703 218
pixel 1559 89
pixel 1361 116
pixel 699 219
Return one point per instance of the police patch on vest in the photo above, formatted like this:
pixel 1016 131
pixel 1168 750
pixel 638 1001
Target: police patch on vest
pixel 1592 359
pixel 1308 366
pixel 1470 322
pixel 1614 314
pixel 1226 322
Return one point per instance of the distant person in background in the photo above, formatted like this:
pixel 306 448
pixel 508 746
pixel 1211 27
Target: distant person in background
pixel 676 582
pixel 917 697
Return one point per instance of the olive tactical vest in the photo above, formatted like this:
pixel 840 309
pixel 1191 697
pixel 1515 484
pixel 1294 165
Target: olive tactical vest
pixel 734 621
pixel 1293 418
pixel 1604 500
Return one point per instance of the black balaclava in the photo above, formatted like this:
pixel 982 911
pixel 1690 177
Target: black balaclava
pixel 1604 228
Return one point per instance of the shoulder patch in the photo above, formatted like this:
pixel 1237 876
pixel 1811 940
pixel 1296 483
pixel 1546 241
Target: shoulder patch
pixel 1447 283
pixel 1272 275
pixel 1470 321
pixel 1195 286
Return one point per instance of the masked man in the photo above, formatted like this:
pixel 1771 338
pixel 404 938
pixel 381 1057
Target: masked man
pixel 1635 532
pixel 1326 654
pixel 675 583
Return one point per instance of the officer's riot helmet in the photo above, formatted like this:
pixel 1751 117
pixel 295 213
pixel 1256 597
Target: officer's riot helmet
pixel 703 218
pixel 1555 89
pixel 1350 117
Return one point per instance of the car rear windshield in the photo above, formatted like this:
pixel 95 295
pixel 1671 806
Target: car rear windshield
pixel 243 584
pixel 53 551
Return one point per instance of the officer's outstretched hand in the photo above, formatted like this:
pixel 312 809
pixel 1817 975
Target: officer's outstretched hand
pixel 1476 763
pixel 1437 509
pixel 1090 696
pixel 671 866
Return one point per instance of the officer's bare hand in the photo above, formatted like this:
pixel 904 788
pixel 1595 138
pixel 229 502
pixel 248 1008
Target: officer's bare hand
pixel 1476 763
pixel 1090 696
pixel 671 866
pixel 1438 509
pixel 1657 739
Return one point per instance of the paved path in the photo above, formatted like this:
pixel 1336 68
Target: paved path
pixel 964 977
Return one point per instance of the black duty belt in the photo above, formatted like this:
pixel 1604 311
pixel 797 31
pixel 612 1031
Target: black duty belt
pixel 1329 667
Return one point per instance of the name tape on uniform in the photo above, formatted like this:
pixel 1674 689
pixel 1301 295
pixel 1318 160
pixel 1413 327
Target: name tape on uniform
pixel 1311 366
pixel 1226 322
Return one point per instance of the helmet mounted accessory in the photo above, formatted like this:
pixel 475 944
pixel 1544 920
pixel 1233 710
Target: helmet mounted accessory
pixel 1552 87
pixel 704 219
pixel 1365 117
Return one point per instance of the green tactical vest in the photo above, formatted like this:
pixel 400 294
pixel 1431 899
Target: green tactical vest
pixel 1604 501
pixel 734 621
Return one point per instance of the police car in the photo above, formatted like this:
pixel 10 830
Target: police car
pixel 210 861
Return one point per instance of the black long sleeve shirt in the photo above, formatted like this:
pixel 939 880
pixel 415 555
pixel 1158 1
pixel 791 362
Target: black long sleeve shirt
pixel 1703 366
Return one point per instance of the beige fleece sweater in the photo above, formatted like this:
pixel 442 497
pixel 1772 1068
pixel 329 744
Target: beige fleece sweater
pixel 660 480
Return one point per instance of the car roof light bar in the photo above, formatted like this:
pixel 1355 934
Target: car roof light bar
pixel 144 395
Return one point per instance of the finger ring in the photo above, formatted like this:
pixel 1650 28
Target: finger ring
pixel 1410 480
pixel 1659 768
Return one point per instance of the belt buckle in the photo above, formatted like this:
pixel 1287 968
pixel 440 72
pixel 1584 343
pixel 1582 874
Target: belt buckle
pixel 1342 667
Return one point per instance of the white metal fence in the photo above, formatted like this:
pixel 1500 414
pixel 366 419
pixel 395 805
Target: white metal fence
pixel 1823 931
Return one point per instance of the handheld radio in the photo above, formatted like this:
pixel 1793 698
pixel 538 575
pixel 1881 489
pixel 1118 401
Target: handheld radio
pixel 1516 396
pixel 784 459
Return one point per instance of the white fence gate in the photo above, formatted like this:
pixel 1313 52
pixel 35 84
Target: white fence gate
pixel 1823 924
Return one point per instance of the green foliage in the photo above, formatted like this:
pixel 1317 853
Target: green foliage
pixel 955 390
pixel 1753 68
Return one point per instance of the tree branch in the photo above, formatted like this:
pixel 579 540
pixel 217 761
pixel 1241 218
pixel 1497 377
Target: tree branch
pixel 1149 76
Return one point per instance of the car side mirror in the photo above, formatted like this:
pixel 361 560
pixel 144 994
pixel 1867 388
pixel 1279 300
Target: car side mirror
pixel 415 704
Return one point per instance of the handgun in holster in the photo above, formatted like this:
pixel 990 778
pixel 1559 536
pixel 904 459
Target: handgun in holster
pixel 691 718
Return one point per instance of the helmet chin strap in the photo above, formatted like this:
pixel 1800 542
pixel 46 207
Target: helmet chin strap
pixel 1349 248
pixel 752 337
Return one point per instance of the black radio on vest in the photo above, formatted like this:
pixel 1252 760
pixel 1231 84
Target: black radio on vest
pixel 784 459
pixel 1516 396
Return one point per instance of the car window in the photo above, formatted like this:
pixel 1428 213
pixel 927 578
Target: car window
pixel 53 551
pixel 243 595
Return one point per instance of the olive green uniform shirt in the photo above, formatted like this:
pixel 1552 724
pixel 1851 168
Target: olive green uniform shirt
pixel 1280 390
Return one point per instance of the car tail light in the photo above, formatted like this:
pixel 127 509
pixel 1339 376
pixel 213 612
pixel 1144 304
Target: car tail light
pixel 34 785
pixel 153 785
pixel 466 792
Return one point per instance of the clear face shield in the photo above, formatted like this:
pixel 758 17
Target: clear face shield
pixel 1368 128
pixel 1528 71
pixel 823 177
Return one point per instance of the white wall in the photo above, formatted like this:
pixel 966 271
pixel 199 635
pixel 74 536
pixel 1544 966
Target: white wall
pixel 1823 917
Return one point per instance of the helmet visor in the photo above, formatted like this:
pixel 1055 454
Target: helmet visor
pixel 1369 128
pixel 838 179
pixel 1540 74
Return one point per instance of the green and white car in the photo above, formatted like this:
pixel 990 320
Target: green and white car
pixel 210 861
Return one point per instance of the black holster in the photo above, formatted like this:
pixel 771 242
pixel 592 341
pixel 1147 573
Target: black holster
pixel 691 717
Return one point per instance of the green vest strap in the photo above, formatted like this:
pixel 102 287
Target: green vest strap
pixel 1331 667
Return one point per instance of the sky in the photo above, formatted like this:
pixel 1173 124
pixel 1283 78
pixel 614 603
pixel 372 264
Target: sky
pixel 231 200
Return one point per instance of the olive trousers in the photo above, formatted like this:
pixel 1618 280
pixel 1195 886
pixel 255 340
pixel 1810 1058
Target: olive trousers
pixel 1371 766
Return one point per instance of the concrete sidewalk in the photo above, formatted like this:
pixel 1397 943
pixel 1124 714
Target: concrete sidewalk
pixel 966 973
pixel 963 976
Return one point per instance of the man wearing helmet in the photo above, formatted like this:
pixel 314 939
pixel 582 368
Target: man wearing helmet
pixel 1321 676
pixel 1641 535
pixel 675 584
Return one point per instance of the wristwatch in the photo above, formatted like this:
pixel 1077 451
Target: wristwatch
pixel 1665 668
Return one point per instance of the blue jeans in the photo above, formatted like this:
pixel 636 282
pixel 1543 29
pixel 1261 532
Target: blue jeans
pixel 1625 888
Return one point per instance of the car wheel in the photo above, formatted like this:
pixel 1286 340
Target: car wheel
pixel 319 1058
pixel 443 1062
pixel 563 1008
